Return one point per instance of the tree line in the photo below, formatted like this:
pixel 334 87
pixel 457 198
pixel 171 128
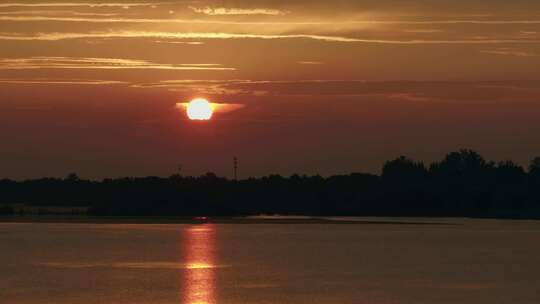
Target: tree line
pixel 461 184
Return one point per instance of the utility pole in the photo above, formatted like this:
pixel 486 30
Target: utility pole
pixel 235 167
pixel 179 170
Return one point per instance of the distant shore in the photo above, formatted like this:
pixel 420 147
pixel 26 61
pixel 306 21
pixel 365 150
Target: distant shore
pixel 244 220
pixel 463 184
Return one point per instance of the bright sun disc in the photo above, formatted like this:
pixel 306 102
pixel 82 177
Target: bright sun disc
pixel 199 109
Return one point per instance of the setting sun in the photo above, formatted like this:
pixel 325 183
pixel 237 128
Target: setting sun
pixel 199 109
pixel 202 109
pixel 212 146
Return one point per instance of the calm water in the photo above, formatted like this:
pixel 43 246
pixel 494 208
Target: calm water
pixel 475 261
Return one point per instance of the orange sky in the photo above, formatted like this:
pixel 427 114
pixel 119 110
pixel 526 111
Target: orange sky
pixel 328 88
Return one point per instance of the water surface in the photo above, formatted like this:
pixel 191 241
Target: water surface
pixel 466 261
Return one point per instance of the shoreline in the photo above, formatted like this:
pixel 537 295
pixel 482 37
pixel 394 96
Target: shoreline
pixel 341 220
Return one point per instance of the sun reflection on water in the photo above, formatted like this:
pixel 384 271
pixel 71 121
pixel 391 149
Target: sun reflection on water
pixel 199 280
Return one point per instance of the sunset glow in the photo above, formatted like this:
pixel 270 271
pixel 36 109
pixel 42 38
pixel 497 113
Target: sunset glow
pixel 323 88
pixel 260 151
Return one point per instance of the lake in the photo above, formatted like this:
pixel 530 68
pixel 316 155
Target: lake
pixel 453 261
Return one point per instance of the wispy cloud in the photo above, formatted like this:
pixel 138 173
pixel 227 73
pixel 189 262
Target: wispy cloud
pixel 55 13
pixel 206 87
pixel 98 63
pixel 197 87
pixel 81 4
pixel 407 91
pixel 423 31
pixel 201 35
pixel 60 81
pixel 411 91
pixel 166 35
pixel 213 11
pixel 464 21
pixel 510 52
pixel 180 42
pixel 349 23
pixel 310 62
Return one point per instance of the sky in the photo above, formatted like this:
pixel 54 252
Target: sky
pixel 318 87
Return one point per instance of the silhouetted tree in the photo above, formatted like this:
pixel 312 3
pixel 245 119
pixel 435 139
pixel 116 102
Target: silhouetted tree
pixel 462 164
pixel 510 190
pixel 534 168
pixel 462 184
pixel 534 183
pixel 509 172
pixel 404 184
pixel 404 170
pixel 6 210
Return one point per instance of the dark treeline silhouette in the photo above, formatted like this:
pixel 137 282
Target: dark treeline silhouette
pixel 462 184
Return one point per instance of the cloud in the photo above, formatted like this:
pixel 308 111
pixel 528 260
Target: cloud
pixel 180 42
pixel 205 87
pixel 60 81
pixel 510 52
pixel 98 63
pixel 353 90
pixel 341 30
pixel 237 11
pixel 56 36
pixel 408 91
pixel 196 87
pixel 57 12
pixel 82 4
pixel 333 23
pixel 423 31
pixel 310 62
pixel 166 35
pixel 470 21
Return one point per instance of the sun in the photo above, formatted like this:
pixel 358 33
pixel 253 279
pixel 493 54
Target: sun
pixel 199 109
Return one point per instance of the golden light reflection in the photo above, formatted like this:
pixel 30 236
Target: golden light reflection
pixel 199 280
